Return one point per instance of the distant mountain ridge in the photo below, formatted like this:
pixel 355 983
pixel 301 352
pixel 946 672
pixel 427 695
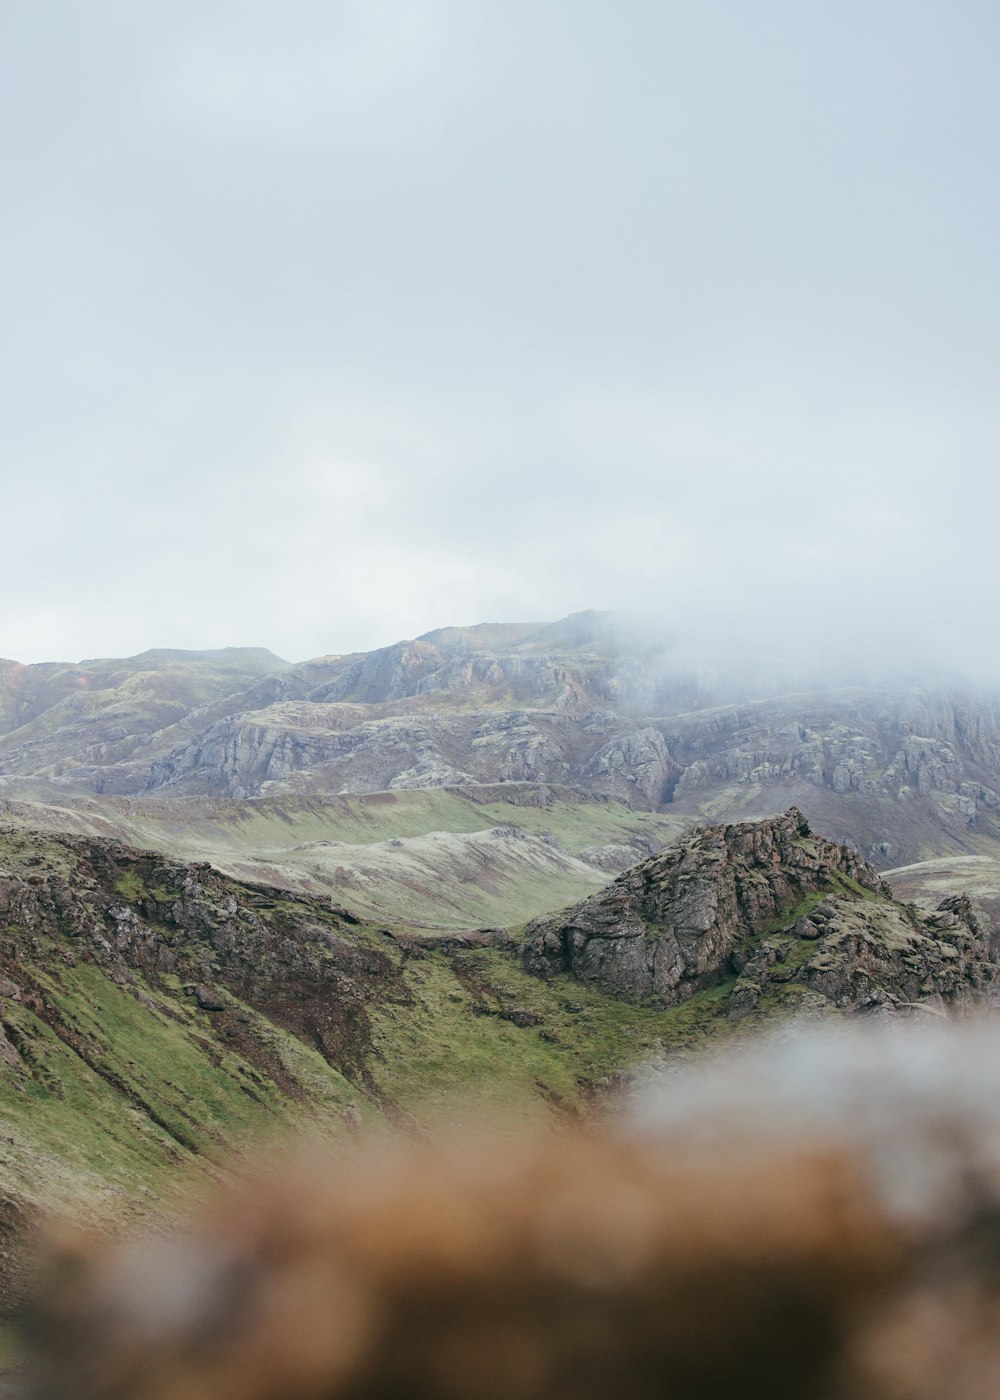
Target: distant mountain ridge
pixel 592 702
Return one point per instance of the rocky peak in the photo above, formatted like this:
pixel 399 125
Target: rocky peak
pixel 762 901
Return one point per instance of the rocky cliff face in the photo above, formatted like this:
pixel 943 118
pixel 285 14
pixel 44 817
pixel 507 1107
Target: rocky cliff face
pixel 321 748
pixel 767 903
pixel 903 745
pixel 857 761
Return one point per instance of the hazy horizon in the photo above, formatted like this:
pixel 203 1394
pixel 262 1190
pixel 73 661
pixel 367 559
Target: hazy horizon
pixel 331 325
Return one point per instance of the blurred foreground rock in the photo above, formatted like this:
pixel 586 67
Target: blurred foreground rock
pixel 818 1217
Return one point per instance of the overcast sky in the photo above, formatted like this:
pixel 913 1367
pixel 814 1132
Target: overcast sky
pixel 326 322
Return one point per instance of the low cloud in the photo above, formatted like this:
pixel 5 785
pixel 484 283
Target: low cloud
pixel 330 329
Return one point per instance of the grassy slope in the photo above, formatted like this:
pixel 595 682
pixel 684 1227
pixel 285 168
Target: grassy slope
pixel 105 1132
pixel 10 1346
pixel 348 847
pixel 153 1091
pixel 459 1044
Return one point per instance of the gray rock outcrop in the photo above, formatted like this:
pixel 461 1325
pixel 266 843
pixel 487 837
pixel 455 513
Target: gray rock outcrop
pixel 636 762
pixel 767 903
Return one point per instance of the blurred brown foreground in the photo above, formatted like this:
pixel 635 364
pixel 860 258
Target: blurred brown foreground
pixel 816 1217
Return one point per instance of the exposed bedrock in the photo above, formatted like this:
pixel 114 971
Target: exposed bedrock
pixel 763 901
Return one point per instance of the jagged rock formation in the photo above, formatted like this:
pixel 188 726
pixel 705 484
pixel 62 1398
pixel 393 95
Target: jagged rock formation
pixel 771 904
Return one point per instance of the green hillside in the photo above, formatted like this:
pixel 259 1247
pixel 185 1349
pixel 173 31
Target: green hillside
pixel 435 857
